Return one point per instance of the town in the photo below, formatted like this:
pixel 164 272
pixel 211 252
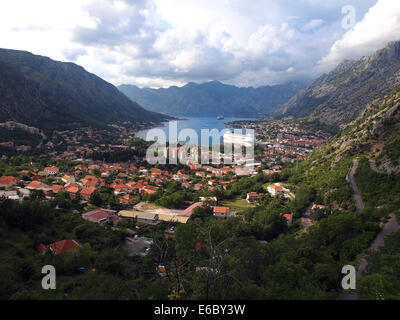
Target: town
pixel 108 192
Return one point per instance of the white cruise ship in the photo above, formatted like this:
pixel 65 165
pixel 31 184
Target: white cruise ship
pixel 234 138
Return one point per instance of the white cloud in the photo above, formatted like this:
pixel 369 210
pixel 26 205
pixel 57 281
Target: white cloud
pixel 378 27
pixel 162 43
pixel 314 23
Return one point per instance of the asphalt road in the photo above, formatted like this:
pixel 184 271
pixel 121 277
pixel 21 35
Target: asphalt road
pixel 391 226
pixel 356 192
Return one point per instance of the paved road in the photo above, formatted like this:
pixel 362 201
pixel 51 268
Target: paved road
pixel 356 192
pixel 373 166
pixel 391 226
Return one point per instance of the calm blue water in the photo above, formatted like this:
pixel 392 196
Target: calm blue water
pixel 195 123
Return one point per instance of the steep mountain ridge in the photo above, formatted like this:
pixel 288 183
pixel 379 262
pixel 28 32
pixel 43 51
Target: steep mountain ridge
pixel 339 96
pixel 212 99
pixel 38 91
pixel 375 134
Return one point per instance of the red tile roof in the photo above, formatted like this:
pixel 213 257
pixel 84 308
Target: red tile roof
pixel 73 190
pixel 287 216
pixel 37 185
pixel 7 180
pixel 87 191
pixel 57 188
pixel 222 210
pixel 275 187
pixel 63 246
pixel 189 211
pixel 255 194
pixel 99 214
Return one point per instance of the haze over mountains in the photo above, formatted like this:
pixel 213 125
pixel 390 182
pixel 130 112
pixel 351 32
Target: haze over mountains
pixel 339 96
pixel 213 98
pixel 36 90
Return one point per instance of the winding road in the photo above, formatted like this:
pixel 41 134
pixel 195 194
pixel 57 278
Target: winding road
pixel 391 226
pixel 356 192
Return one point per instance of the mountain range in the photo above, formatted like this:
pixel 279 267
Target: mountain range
pixel 212 99
pixel 48 94
pixel 338 97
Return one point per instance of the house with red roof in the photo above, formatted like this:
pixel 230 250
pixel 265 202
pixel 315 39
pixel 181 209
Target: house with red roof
pixel 63 246
pixel 199 186
pixel 149 191
pixel 223 212
pixel 288 217
pixel 101 216
pixel 68 178
pixel 128 199
pixel 56 188
pixel 275 190
pixel 8 182
pixel 93 184
pixel 86 193
pixel 186 184
pixel 59 247
pixel 73 191
pixel 254 197
pixel 155 172
pixel 89 178
pixel 24 172
pixel 37 185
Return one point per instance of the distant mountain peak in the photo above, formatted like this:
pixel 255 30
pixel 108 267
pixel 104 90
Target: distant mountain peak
pixel 213 98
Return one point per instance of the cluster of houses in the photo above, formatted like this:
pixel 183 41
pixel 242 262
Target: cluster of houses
pixel 282 141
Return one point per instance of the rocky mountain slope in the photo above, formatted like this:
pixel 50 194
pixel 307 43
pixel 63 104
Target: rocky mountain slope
pixel 212 99
pixel 339 97
pixel 38 91
pixel 375 133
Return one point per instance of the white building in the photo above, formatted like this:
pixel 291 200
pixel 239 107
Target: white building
pixel 275 190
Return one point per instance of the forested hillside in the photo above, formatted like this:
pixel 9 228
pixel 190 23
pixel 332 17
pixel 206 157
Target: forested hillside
pixel 38 91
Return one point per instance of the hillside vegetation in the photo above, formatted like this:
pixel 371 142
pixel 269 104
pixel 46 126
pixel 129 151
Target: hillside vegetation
pixel 339 96
pixel 38 91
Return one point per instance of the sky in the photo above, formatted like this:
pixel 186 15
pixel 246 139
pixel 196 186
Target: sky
pixel 159 43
